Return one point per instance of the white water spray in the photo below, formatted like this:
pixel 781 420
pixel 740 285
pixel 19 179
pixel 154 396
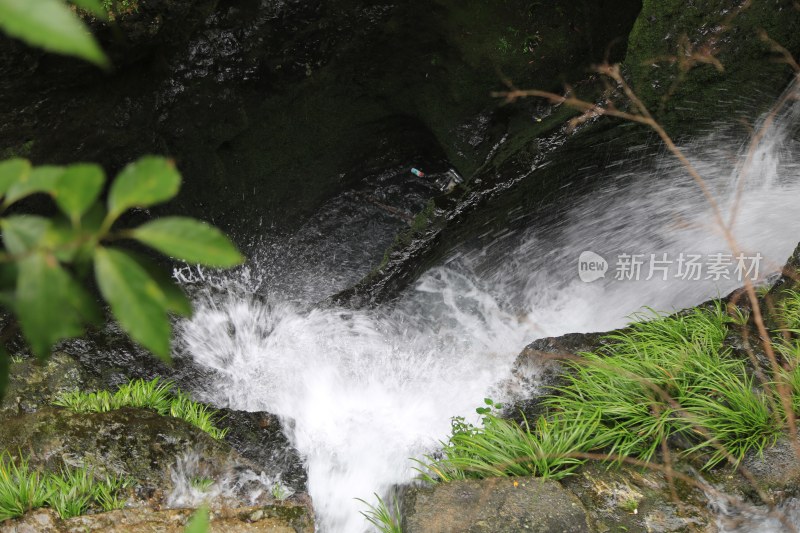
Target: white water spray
pixel 364 391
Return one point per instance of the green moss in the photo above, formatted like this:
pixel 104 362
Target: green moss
pixel 684 99
pixel 21 150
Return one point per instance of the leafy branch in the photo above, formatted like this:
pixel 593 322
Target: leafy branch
pixel 44 259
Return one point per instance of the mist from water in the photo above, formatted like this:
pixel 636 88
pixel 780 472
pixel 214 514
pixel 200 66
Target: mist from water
pixel 362 392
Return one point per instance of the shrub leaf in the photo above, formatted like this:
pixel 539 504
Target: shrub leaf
pixel 50 304
pixel 136 299
pixel 145 182
pixel 12 171
pixel 50 24
pixel 21 233
pixel 189 240
pixel 77 189
pixel 39 179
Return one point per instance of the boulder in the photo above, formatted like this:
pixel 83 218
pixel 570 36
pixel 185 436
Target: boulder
pixel 495 505
pixel 161 454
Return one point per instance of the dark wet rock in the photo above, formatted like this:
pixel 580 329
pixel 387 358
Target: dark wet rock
pixel 267 107
pixel 279 518
pixel 496 505
pixel 106 359
pixel 537 367
pixel 112 358
pixel 259 437
pixel 533 174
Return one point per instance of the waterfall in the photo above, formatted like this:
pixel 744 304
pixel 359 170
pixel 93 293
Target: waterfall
pixel 363 391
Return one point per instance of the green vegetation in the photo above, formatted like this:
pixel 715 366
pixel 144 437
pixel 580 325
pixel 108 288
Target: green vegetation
pixel 115 8
pixel 45 261
pixel 789 311
pixel 385 520
pixel 666 377
pixel 157 395
pixel 502 448
pixel 72 492
pixel 279 492
pixel 199 523
pixel 53 26
pixel 658 379
pixel 202 484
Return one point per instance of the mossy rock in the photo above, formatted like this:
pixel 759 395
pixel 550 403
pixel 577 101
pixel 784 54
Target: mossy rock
pixel 136 443
pixel 34 384
pixel 750 77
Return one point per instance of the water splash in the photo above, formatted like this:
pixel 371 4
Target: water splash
pixel 364 391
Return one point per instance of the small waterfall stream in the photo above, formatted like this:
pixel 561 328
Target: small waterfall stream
pixel 364 391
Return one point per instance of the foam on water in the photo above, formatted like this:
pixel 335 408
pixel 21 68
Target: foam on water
pixel 363 391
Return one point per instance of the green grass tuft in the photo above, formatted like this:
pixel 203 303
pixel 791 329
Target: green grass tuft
pixel 155 394
pixel 21 489
pixel 71 492
pixel 662 379
pixel 380 516
pixel 502 447
pixel 667 377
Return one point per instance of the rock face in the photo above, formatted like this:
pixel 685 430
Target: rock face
pixel 267 107
pixel 272 519
pixel 499 505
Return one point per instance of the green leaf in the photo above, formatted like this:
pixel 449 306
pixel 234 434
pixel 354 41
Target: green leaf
pixel 148 181
pixel 63 239
pixel 40 179
pixel 189 240
pixel 8 276
pixel 50 24
pixel 77 189
pixel 50 304
pixel 23 233
pixel 176 300
pixel 198 522
pixel 95 7
pixel 12 171
pixel 136 299
pixel 5 364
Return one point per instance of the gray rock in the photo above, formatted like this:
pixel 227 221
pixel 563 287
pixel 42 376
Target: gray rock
pixel 497 505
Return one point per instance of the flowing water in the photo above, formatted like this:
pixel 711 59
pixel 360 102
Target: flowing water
pixel 364 391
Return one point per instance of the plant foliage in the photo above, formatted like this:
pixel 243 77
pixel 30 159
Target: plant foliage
pixel 160 396
pixel 70 492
